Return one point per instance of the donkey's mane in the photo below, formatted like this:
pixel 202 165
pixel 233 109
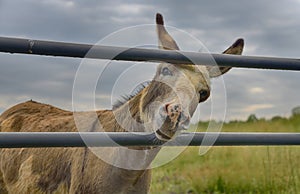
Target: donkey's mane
pixel 124 98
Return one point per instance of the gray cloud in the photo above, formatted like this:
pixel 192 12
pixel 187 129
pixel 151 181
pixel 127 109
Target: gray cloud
pixel 270 28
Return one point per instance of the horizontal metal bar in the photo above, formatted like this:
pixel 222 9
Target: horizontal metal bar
pixel 111 139
pixel 63 49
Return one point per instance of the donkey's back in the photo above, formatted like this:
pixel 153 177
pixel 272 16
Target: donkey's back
pixel 32 116
pixel 36 170
pixel 60 170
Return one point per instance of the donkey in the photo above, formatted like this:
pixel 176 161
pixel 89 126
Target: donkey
pixel 164 107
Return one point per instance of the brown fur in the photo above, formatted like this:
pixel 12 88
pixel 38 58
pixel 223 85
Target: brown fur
pixel 58 170
pixel 79 170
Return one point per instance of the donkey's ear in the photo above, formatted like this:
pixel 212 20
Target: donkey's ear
pixel 235 49
pixel 165 41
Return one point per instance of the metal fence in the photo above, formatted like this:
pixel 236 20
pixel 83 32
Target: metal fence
pixel 71 139
pixel 113 139
pixel 63 49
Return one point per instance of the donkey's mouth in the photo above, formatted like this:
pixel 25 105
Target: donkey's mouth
pixel 160 135
pixel 170 120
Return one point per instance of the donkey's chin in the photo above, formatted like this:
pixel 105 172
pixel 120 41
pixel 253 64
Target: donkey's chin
pixel 162 136
pixel 166 134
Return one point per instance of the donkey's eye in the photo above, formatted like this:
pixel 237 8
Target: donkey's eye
pixel 166 71
pixel 204 94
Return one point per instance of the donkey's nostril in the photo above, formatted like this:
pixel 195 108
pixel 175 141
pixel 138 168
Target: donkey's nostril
pixel 173 109
pixel 166 108
pixel 176 107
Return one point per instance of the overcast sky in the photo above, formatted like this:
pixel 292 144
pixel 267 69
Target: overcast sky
pixel 270 28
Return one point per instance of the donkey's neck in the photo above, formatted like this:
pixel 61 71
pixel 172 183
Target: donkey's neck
pixel 128 118
pixel 134 161
pixel 125 118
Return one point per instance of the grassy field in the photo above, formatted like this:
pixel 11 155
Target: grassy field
pixel 271 169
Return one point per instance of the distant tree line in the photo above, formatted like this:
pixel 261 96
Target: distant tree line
pixel 252 117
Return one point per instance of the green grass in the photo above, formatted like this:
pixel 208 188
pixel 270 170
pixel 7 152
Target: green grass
pixel 270 169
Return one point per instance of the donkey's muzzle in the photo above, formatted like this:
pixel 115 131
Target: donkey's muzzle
pixel 177 116
pixel 173 119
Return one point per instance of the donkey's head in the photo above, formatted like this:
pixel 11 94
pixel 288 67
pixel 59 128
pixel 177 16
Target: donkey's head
pixel 170 100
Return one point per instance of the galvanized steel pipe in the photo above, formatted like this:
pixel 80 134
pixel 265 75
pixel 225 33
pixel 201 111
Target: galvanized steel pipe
pixel 113 139
pixel 63 49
